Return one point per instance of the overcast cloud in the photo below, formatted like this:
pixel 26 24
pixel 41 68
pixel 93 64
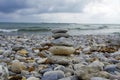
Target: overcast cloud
pixel 63 11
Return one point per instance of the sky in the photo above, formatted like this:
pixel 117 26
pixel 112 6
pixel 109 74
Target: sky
pixel 60 11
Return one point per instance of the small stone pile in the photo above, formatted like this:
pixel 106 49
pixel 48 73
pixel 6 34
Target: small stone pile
pixel 60 33
pixel 62 44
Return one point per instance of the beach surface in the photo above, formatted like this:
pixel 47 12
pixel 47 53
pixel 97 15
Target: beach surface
pixel 60 57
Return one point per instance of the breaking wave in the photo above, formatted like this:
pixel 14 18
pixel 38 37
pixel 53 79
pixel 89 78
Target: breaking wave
pixel 8 30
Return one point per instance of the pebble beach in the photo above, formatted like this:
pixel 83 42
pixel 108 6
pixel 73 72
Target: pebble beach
pixel 60 56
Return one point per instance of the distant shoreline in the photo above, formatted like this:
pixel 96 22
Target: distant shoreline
pixel 64 23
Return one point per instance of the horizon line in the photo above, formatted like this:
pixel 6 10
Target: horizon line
pixel 58 23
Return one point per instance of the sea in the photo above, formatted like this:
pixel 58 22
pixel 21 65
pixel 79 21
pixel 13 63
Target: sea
pixel 45 28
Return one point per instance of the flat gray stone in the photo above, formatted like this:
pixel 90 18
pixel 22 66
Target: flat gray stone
pixel 59 31
pixel 58 35
pixel 62 42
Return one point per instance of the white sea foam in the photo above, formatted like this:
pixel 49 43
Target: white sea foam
pixel 8 30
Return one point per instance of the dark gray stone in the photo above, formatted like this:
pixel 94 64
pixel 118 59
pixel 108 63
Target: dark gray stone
pixel 17 48
pixel 59 31
pixel 45 70
pixel 111 69
pixel 62 42
pixel 58 35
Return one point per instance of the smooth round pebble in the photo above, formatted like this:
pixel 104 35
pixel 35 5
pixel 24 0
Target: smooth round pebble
pixel 53 75
pixel 62 50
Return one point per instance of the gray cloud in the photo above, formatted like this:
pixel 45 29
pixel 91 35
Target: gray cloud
pixel 41 6
pixel 59 5
pixel 60 11
pixel 10 6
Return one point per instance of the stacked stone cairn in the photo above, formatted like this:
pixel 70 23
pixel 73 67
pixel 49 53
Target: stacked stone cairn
pixel 62 44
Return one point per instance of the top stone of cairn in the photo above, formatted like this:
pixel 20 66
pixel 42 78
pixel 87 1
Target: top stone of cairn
pixel 59 31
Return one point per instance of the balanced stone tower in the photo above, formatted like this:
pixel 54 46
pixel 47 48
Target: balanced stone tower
pixel 62 44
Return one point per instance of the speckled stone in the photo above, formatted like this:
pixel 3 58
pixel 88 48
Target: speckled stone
pixel 17 66
pixel 62 50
